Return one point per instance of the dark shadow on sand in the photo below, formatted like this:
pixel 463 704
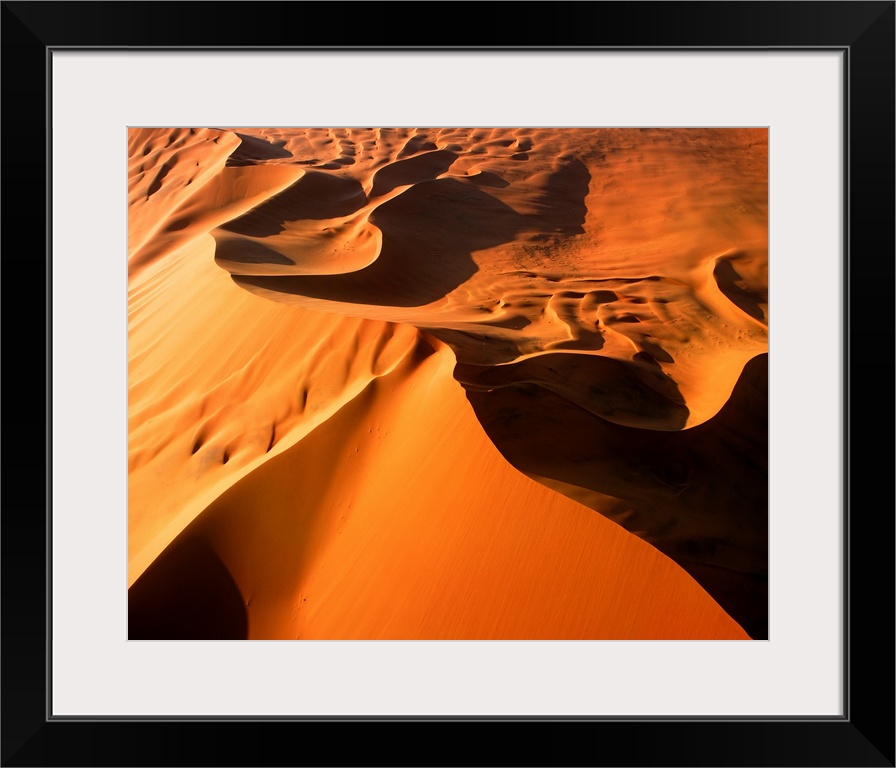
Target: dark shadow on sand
pixel 187 593
pixel 249 252
pixel 729 281
pixel 252 149
pixel 636 395
pixel 699 495
pixel 314 195
pixel 429 234
pixel 429 231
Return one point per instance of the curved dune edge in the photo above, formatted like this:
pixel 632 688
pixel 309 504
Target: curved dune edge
pixel 698 495
pixel 208 403
pixel 648 247
pixel 516 250
pixel 362 531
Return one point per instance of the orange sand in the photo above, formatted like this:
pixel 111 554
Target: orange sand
pixel 334 335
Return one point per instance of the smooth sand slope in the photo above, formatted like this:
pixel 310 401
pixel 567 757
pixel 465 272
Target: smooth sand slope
pixel 448 383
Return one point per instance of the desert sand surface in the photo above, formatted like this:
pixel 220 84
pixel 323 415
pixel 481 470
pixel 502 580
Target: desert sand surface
pixel 447 383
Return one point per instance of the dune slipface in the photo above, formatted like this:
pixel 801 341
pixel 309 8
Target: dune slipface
pixel 448 383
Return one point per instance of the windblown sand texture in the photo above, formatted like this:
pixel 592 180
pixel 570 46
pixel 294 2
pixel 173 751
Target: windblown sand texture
pixel 448 383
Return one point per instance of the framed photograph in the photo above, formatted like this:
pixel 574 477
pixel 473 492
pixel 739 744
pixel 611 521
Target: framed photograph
pixel 444 385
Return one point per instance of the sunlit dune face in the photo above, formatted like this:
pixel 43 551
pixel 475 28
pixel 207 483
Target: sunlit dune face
pixel 424 383
pixel 647 247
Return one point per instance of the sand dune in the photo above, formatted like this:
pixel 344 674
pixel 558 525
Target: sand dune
pixel 448 383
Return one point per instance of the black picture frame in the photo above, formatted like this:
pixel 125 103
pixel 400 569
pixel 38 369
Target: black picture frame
pixel 863 736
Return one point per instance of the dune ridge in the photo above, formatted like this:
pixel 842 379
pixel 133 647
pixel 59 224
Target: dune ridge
pixel 586 310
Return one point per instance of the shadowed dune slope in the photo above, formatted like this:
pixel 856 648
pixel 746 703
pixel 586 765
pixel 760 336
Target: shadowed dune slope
pixel 362 531
pixel 699 495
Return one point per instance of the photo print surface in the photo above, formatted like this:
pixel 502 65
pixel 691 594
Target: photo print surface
pixel 416 383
